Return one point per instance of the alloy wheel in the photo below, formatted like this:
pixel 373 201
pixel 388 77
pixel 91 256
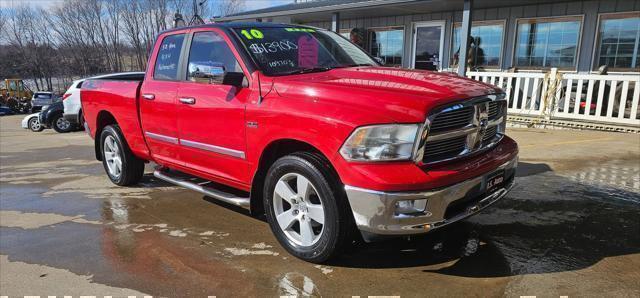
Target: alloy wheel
pixel 112 156
pixel 63 124
pixel 35 125
pixel 298 209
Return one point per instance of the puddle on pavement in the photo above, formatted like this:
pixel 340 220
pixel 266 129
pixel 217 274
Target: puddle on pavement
pixel 176 244
pixel 612 176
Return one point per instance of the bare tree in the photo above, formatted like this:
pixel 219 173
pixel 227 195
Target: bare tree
pixel 3 22
pixel 229 7
pixel 79 38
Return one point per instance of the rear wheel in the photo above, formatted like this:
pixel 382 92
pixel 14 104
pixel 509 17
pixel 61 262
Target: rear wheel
pixel 34 125
pixel 122 167
pixel 306 208
pixel 60 124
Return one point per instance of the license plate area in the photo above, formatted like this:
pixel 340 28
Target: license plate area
pixel 495 181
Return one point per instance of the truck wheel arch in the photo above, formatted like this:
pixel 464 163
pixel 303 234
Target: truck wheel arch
pixel 104 118
pixel 272 152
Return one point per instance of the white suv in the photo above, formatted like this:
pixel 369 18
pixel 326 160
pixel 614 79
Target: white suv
pixel 71 102
pixel 71 99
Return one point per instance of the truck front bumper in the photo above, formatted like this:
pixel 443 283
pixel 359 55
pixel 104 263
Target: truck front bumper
pixel 377 213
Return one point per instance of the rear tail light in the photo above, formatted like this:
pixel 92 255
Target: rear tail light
pixel 65 96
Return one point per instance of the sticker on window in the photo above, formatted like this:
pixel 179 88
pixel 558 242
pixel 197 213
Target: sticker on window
pixel 307 52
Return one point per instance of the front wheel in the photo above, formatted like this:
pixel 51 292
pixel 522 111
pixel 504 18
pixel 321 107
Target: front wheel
pixel 306 208
pixel 34 125
pixel 60 124
pixel 122 167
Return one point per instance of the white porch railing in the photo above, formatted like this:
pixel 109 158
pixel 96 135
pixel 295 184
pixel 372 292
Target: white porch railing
pixel 595 98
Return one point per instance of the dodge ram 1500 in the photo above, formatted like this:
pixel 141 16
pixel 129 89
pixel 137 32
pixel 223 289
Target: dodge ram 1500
pixel 301 125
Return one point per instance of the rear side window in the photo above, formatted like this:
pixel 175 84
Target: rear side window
pixel 42 95
pixel 166 67
pixel 79 85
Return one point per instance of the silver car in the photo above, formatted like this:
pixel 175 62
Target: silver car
pixel 41 99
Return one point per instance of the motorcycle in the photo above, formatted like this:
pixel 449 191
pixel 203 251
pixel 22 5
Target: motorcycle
pixel 19 105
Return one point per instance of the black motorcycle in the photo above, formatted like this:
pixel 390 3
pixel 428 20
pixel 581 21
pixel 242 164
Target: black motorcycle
pixel 19 105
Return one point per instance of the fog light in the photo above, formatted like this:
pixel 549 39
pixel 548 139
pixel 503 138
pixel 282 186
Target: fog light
pixel 408 207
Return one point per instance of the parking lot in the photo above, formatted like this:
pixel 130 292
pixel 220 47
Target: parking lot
pixel 571 226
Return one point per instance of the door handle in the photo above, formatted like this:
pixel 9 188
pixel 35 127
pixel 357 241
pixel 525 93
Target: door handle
pixel 148 96
pixel 187 100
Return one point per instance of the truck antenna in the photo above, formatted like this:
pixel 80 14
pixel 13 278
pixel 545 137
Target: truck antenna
pixel 260 98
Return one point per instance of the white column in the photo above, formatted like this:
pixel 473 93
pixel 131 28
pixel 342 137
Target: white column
pixel 465 33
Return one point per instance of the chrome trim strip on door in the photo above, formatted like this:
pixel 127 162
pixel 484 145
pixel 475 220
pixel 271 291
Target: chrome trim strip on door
pixel 162 138
pixel 213 148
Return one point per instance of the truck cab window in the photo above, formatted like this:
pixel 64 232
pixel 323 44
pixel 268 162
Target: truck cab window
pixel 168 57
pixel 208 53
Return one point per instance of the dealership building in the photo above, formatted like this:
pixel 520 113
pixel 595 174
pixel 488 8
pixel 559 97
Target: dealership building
pixel 508 42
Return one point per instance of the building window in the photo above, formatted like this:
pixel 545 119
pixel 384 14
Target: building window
pixel 548 42
pixel 619 41
pixel 387 44
pixel 485 48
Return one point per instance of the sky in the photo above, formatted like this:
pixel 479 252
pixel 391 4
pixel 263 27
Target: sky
pixel 251 4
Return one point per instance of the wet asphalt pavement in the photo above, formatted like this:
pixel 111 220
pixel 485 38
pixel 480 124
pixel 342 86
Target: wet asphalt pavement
pixel 571 226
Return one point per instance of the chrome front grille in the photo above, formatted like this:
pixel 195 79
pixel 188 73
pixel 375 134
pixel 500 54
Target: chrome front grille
pixel 495 108
pixel 490 134
pixel 463 129
pixel 444 148
pixel 457 118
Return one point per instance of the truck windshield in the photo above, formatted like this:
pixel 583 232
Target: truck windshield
pixel 292 50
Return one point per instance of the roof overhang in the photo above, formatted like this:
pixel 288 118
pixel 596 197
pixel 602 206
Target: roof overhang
pixel 372 8
pixel 318 9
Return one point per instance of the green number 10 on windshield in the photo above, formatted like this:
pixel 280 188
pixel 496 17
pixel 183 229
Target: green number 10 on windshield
pixel 253 33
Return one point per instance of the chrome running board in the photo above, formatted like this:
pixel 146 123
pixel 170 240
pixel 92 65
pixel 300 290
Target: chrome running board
pixel 207 191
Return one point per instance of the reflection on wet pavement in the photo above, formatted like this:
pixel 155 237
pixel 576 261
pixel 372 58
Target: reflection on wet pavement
pixel 614 175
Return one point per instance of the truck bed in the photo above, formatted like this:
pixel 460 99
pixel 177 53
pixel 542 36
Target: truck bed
pixel 115 96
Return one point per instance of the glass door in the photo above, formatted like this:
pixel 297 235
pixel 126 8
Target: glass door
pixel 428 39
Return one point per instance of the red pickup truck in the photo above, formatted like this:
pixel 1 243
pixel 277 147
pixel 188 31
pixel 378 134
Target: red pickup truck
pixel 301 125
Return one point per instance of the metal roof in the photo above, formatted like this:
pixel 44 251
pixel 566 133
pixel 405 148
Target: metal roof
pixel 308 7
pixel 298 5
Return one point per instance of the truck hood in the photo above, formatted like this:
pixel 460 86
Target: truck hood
pixel 396 95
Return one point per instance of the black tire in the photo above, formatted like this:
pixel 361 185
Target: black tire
pixel 338 225
pixel 57 125
pixel 132 166
pixel 80 121
pixel 35 127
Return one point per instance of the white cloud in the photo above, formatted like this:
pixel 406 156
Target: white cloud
pixel 34 3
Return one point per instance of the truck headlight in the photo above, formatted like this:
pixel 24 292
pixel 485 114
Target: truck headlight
pixel 381 143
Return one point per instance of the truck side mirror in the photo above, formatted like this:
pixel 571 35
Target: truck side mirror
pixel 235 79
pixel 209 73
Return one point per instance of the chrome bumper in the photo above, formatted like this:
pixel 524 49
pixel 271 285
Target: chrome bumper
pixel 375 212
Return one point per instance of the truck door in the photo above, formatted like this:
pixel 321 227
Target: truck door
pixel 211 114
pixel 158 99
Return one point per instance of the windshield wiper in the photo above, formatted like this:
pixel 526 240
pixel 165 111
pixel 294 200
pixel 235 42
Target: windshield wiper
pixel 354 65
pixel 308 70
